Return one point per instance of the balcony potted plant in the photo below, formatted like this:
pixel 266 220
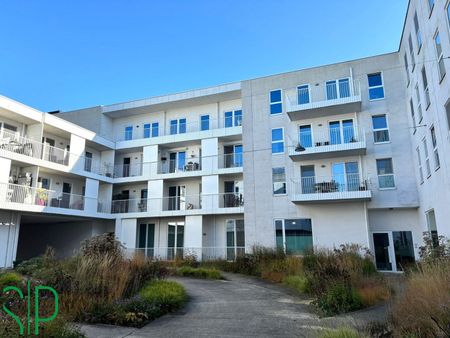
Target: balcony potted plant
pixel 41 196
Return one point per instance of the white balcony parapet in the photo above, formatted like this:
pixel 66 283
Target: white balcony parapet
pixel 322 95
pixel 329 140
pixel 182 128
pixel 11 194
pixel 328 188
pixel 201 253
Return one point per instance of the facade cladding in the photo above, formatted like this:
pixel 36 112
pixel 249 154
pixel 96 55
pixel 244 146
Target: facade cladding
pixel 353 152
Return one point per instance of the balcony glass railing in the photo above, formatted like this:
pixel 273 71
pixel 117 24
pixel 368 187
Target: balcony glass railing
pixel 181 165
pixel 14 193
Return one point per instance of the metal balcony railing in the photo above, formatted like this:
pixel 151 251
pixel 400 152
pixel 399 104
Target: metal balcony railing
pixel 330 184
pixel 200 253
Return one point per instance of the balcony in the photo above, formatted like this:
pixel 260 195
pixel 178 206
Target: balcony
pixel 177 205
pixel 339 188
pixel 16 196
pixel 328 143
pixel 127 170
pixel 231 163
pixel 183 128
pixel 323 99
pixel 183 166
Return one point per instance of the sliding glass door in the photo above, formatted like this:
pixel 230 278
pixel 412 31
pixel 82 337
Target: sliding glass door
pixel 175 240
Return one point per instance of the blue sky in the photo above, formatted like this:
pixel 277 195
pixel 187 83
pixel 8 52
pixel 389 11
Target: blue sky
pixel 72 54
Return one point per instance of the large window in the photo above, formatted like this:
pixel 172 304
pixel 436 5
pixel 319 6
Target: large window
pixel 405 57
pixel 233 118
pixel 427 158
pixel 305 136
pixel 430 5
pixel 277 141
pixel 128 133
pixel 440 56
pixel 279 181
pixel 385 173
pixel 376 89
pixel 380 128
pixel 432 227
pixel 338 89
pixel 303 94
pixel 178 126
pixel 419 160
pixel 276 105
pixel 425 88
pixel 146 239
pixel 413 115
pixel 235 238
pixel 294 235
pixel 411 53
pixel 418 33
pixel 437 162
pixel 419 104
pixel 151 130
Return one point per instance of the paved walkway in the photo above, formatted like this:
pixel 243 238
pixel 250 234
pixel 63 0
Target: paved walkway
pixel 238 307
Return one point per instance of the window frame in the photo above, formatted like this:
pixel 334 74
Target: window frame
pixel 413 115
pixel 128 131
pixel 309 93
pixel 278 141
pixel 233 118
pixel 275 102
pixel 427 156
pixel 383 175
pixel 376 87
pixel 419 103
pixel 408 76
pixel 381 129
pixel 411 53
pixel 426 87
pixel 440 57
pixel 430 7
pixel 437 161
pixel 419 161
pixel 418 32
pixel 283 182
pixel 201 122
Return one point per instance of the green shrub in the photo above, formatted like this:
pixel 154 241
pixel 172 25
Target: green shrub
pixel 297 283
pixel 187 271
pixel 344 332
pixel 169 295
pixel 338 298
pixel 9 279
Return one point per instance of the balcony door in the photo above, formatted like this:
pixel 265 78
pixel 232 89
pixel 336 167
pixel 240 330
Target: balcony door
pixel 308 179
pixel 49 145
pixel 305 136
pixel 346 176
pixel 233 156
pixel 146 239
pixel 341 131
pixel 177 161
pixel 338 89
pixel 177 197
pixel 126 166
pixel 88 161
pixel 67 190
pixel 234 194
pixel 394 250
pixel 175 239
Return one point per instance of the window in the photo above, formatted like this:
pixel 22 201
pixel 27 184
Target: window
pixel 425 88
pixel 437 162
pixel 151 130
pixel 419 160
pixel 235 238
pixel 88 161
pixel 178 126
pixel 276 105
pixel 440 56
pixel 294 236
pixel 279 181
pixel 305 136
pixel 406 69
pixel 447 111
pixel 128 133
pixel 338 89
pixel 431 5
pixel 385 173
pixel 376 90
pixel 411 53
pixel 303 94
pixel 432 227
pixel 204 122
pixel 427 160
pixel 418 33
pixel 448 13
pixel 380 129
pixel 413 115
pixel 146 239
pixel 419 103
pixel 233 118
pixel 277 141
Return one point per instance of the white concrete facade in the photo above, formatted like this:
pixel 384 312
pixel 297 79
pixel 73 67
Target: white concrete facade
pixel 321 157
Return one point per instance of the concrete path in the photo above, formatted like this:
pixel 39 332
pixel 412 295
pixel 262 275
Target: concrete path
pixel 240 306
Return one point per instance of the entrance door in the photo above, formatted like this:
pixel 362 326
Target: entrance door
pixel 382 248
pixel 403 248
pixel 175 240
pixel 308 179
pixel 146 239
pixel 126 166
pixel 235 238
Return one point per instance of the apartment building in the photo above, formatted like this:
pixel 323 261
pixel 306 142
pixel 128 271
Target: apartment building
pixel 352 152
